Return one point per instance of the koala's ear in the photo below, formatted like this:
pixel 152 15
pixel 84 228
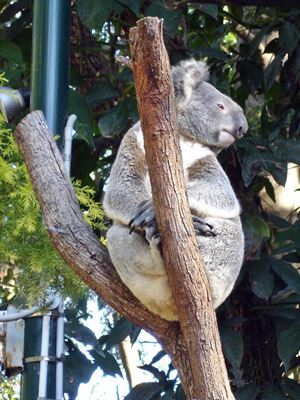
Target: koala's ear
pixel 186 76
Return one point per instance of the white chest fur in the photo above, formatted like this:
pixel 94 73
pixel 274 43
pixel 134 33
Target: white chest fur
pixel 191 151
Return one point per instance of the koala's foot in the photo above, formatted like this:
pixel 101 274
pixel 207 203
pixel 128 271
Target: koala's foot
pixel 155 246
pixel 202 228
pixel 144 222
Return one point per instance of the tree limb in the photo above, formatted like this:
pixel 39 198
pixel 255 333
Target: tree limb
pixel 73 239
pixel 188 281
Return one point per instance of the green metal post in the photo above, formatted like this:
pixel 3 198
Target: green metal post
pixel 49 93
pixel 50 61
pixel 32 351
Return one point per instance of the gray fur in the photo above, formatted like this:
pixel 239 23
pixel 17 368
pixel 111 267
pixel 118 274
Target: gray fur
pixel 208 121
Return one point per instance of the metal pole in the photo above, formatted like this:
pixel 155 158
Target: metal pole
pixel 50 61
pixel 49 93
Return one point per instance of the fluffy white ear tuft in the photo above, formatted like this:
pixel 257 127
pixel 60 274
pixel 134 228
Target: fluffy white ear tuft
pixel 186 76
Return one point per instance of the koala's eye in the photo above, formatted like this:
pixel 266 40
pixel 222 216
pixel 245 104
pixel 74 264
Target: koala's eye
pixel 220 105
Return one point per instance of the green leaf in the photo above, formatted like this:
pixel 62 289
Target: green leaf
pixel 179 394
pixel 272 70
pixel 159 375
pixel 255 42
pixel 81 333
pixel 287 273
pixel 84 125
pixel 209 9
pixel 171 17
pixel 233 346
pixel 273 392
pixel 93 13
pixel 114 121
pixel 134 334
pixel 279 222
pixel 101 92
pixel 272 47
pixel 286 149
pixel 158 356
pixel 133 5
pixel 145 391
pixel 118 333
pixel 288 344
pixel 261 280
pixel 107 363
pixel 78 369
pixel 292 388
pixel 257 225
pixel 256 161
pixel 288 37
pixel 270 190
pixel 10 51
pixel 248 392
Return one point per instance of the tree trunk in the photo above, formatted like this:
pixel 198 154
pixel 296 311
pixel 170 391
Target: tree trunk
pixel 194 345
pixel 188 281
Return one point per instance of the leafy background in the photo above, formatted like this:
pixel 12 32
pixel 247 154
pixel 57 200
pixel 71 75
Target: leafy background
pixel 254 56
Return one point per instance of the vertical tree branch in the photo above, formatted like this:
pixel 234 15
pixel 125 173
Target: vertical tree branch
pixel 188 281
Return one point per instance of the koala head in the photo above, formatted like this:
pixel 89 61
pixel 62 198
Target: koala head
pixel 205 114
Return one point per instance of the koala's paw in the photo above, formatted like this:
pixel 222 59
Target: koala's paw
pixel 145 221
pixel 202 228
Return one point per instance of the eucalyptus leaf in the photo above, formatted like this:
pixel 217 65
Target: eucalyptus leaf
pixel 257 225
pixel 133 5
pixel 77 369
pixel 81 333
pixel 248 392
pixel 292 388
pixel 261 280
pixel 171 18
pixel 93 13
pixel 113 121
pixel 287 149
pixel 10 51
pixel 288 344
pixel 119 332
pixel 101 92
pixel 255 42
pixel 179 394
pixel 107 363
pixel 84 125
pixel 287 273
pixel 273 392
pixel 209 9
pixel 233 346
pixel 288 36
pixel 145 391
pixel 272 70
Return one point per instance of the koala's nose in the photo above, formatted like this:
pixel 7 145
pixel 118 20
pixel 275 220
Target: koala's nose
pixel 242 127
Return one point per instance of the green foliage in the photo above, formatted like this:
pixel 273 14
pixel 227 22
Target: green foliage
pixel 9 388
pixel 28 261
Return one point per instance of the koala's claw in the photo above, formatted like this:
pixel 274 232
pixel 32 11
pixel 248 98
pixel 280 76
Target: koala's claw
pixel 202 228
pixel 144 222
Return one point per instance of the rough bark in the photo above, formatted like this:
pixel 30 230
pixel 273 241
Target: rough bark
pixel 189 284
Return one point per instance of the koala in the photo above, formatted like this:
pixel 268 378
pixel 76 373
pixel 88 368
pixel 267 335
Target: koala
pixel 208 122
